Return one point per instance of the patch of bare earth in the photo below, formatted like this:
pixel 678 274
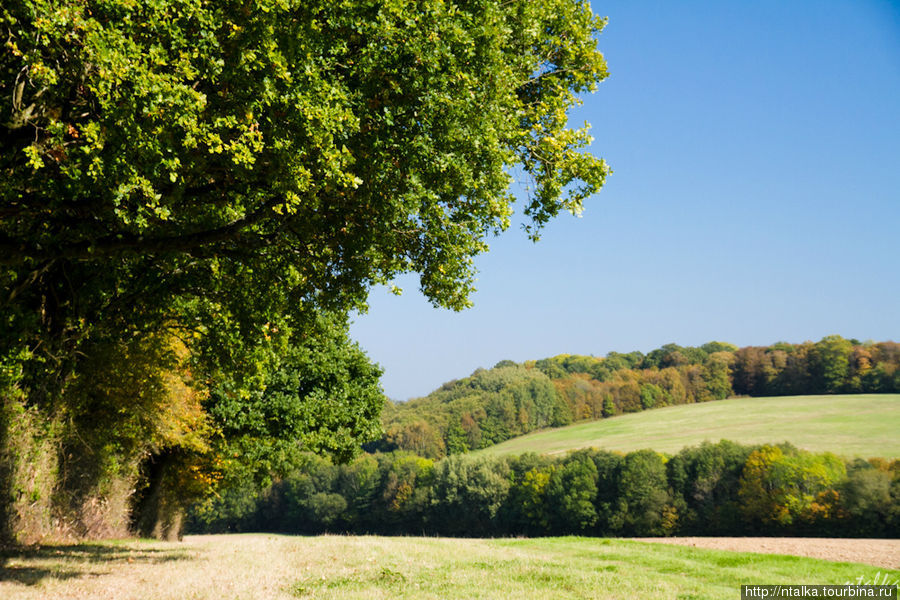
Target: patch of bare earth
pixel 880 553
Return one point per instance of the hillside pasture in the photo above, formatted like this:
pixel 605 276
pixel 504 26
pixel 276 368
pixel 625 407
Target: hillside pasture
pixel 228 567
pixel 863 425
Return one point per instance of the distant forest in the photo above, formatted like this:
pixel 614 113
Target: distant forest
pixel 511 399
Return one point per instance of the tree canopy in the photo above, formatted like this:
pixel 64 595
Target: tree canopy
pixel 327 145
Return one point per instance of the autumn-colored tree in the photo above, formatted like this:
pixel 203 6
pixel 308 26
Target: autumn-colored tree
pixel 789 488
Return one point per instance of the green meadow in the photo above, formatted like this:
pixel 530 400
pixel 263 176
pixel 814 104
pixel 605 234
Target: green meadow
pixel 362 567
pixel 864 425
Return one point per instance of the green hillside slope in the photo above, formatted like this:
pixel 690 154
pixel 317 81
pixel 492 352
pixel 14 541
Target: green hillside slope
pixel 498 404
pixel 851 425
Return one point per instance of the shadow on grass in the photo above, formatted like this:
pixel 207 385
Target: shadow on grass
pixel 32 564
pixel 34 575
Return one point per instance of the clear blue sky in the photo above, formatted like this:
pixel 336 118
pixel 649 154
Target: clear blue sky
pixel 755 198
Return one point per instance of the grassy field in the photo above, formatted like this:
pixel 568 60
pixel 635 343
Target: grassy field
pixel 852 425
pixel 270 566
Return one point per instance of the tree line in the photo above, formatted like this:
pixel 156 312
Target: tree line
pixel 711 489
pixel 510 399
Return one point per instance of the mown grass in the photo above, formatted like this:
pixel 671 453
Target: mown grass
pixel 849 425
pixel 270 566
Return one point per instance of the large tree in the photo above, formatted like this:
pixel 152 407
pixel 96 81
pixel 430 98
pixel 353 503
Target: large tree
pixel 222 172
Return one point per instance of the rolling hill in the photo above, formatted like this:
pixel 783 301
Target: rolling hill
pixel 512 399
pixel 862 425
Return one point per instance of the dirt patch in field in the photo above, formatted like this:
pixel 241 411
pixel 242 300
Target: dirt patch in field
pixel 880 553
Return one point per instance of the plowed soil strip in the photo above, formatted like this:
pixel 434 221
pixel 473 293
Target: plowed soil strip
pixel 880 553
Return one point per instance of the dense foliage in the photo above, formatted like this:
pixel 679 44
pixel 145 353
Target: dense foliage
pixel 188 188
pixel 497 404
pixel 712 489
pixel 486 408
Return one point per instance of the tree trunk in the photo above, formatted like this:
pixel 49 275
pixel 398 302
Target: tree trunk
pixel 158 511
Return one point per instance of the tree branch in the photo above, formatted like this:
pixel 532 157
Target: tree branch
pixel 14 254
